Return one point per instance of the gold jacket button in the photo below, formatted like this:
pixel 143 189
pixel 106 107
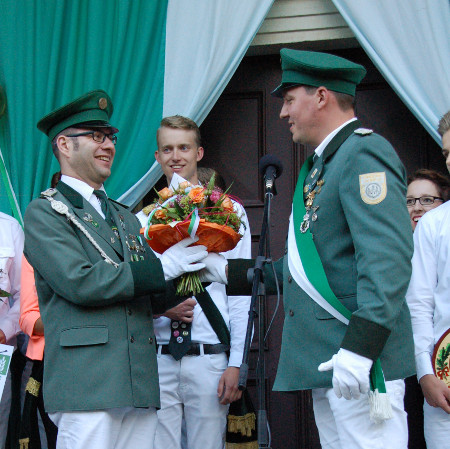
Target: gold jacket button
pixel 289 278
pixel 131 339
pixel 150 340
pixel 291 312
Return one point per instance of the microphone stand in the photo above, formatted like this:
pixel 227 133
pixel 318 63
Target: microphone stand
pixel 258 293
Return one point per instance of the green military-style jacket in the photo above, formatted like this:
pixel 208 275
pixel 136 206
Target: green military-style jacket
pixel 99 339
pixel 363 236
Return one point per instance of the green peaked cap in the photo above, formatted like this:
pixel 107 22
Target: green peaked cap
pixel 316 69
pixel 91 110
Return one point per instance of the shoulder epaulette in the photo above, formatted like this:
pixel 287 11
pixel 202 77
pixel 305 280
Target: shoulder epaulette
pixel 363 131
pixel 49 192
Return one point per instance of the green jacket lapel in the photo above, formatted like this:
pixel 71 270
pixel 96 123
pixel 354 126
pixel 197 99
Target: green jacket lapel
pixel 72 195
pixel 90 217
pixel 339 139
pixel 316 166
pixel 119 220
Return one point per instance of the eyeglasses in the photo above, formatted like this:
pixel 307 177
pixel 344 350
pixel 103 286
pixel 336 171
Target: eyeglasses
pixel 98 136
pixel 423 200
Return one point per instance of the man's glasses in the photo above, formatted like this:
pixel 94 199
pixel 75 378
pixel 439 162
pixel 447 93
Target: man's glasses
pixel 98 136
pixel 423 200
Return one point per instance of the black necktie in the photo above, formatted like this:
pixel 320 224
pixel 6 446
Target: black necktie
pixel 101 195
pixel 180 338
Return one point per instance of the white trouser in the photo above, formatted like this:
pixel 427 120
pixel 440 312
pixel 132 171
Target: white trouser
pixel 345 424
pixel 190 386
pixel 436 427
pixel 5 405
pixel 116 428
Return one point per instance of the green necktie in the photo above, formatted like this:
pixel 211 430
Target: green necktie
pixel 101 195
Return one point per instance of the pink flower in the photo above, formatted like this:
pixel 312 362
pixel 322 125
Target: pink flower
pixel 215 196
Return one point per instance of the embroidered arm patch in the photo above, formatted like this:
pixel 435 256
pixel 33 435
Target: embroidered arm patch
pixel 373 187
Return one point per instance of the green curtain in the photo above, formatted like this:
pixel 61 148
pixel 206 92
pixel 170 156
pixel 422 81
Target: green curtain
pixel 52 51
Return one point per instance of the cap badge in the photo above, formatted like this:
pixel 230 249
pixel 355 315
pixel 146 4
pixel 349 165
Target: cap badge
pixel 102 103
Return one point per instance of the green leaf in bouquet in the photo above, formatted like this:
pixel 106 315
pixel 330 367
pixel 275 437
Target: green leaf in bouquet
pixel 228 189
pixel 4 294
pixel 222 197
pixel 173 214
pixel 179 210
pixel 159 196
pixel 219 203
pixel 211 184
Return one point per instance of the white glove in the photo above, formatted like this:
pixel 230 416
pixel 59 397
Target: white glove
pixel 181 258
pixel 351 373
pixel 214 270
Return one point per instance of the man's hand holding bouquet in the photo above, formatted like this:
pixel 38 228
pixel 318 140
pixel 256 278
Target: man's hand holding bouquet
pixel 184 210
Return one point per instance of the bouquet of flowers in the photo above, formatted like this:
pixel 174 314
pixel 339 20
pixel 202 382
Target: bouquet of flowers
pixel 190 210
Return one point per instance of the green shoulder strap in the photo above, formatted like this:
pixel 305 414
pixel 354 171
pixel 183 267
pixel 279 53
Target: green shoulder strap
pixel 307 249
pixel 214 316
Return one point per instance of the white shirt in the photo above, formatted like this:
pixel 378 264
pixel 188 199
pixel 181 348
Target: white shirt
pixel 234 309
pixel 11 249
pixel 85 190
pixel 428 294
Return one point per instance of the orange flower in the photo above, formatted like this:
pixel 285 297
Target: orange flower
pixel 160 214
pixel 227 204
pixel 165 194
pixel 196 195
pixel 184 184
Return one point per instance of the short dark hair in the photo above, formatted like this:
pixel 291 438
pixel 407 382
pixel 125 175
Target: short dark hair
pixel 55 179
pixel 344 101
pixel 441 181
pixel 180 122
pixel 444 124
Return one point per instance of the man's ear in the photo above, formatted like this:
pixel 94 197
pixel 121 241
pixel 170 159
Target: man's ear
pixel 200 153
pixel 323 96
pixel 157 156
pixel 64 145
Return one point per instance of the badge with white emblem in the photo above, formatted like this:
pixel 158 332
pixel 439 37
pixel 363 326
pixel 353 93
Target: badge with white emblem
pixel 373 187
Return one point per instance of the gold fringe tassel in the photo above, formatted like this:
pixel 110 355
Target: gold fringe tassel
pixel 248 445
pixel 24 442
pixel 244 424
pixel 33 387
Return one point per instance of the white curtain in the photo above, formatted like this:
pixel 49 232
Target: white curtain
pixel 205 42
pixel 409 42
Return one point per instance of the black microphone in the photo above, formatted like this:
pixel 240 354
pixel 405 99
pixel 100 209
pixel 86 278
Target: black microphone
pixel 270 167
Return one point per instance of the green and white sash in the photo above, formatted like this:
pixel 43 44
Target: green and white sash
pixel 380 407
